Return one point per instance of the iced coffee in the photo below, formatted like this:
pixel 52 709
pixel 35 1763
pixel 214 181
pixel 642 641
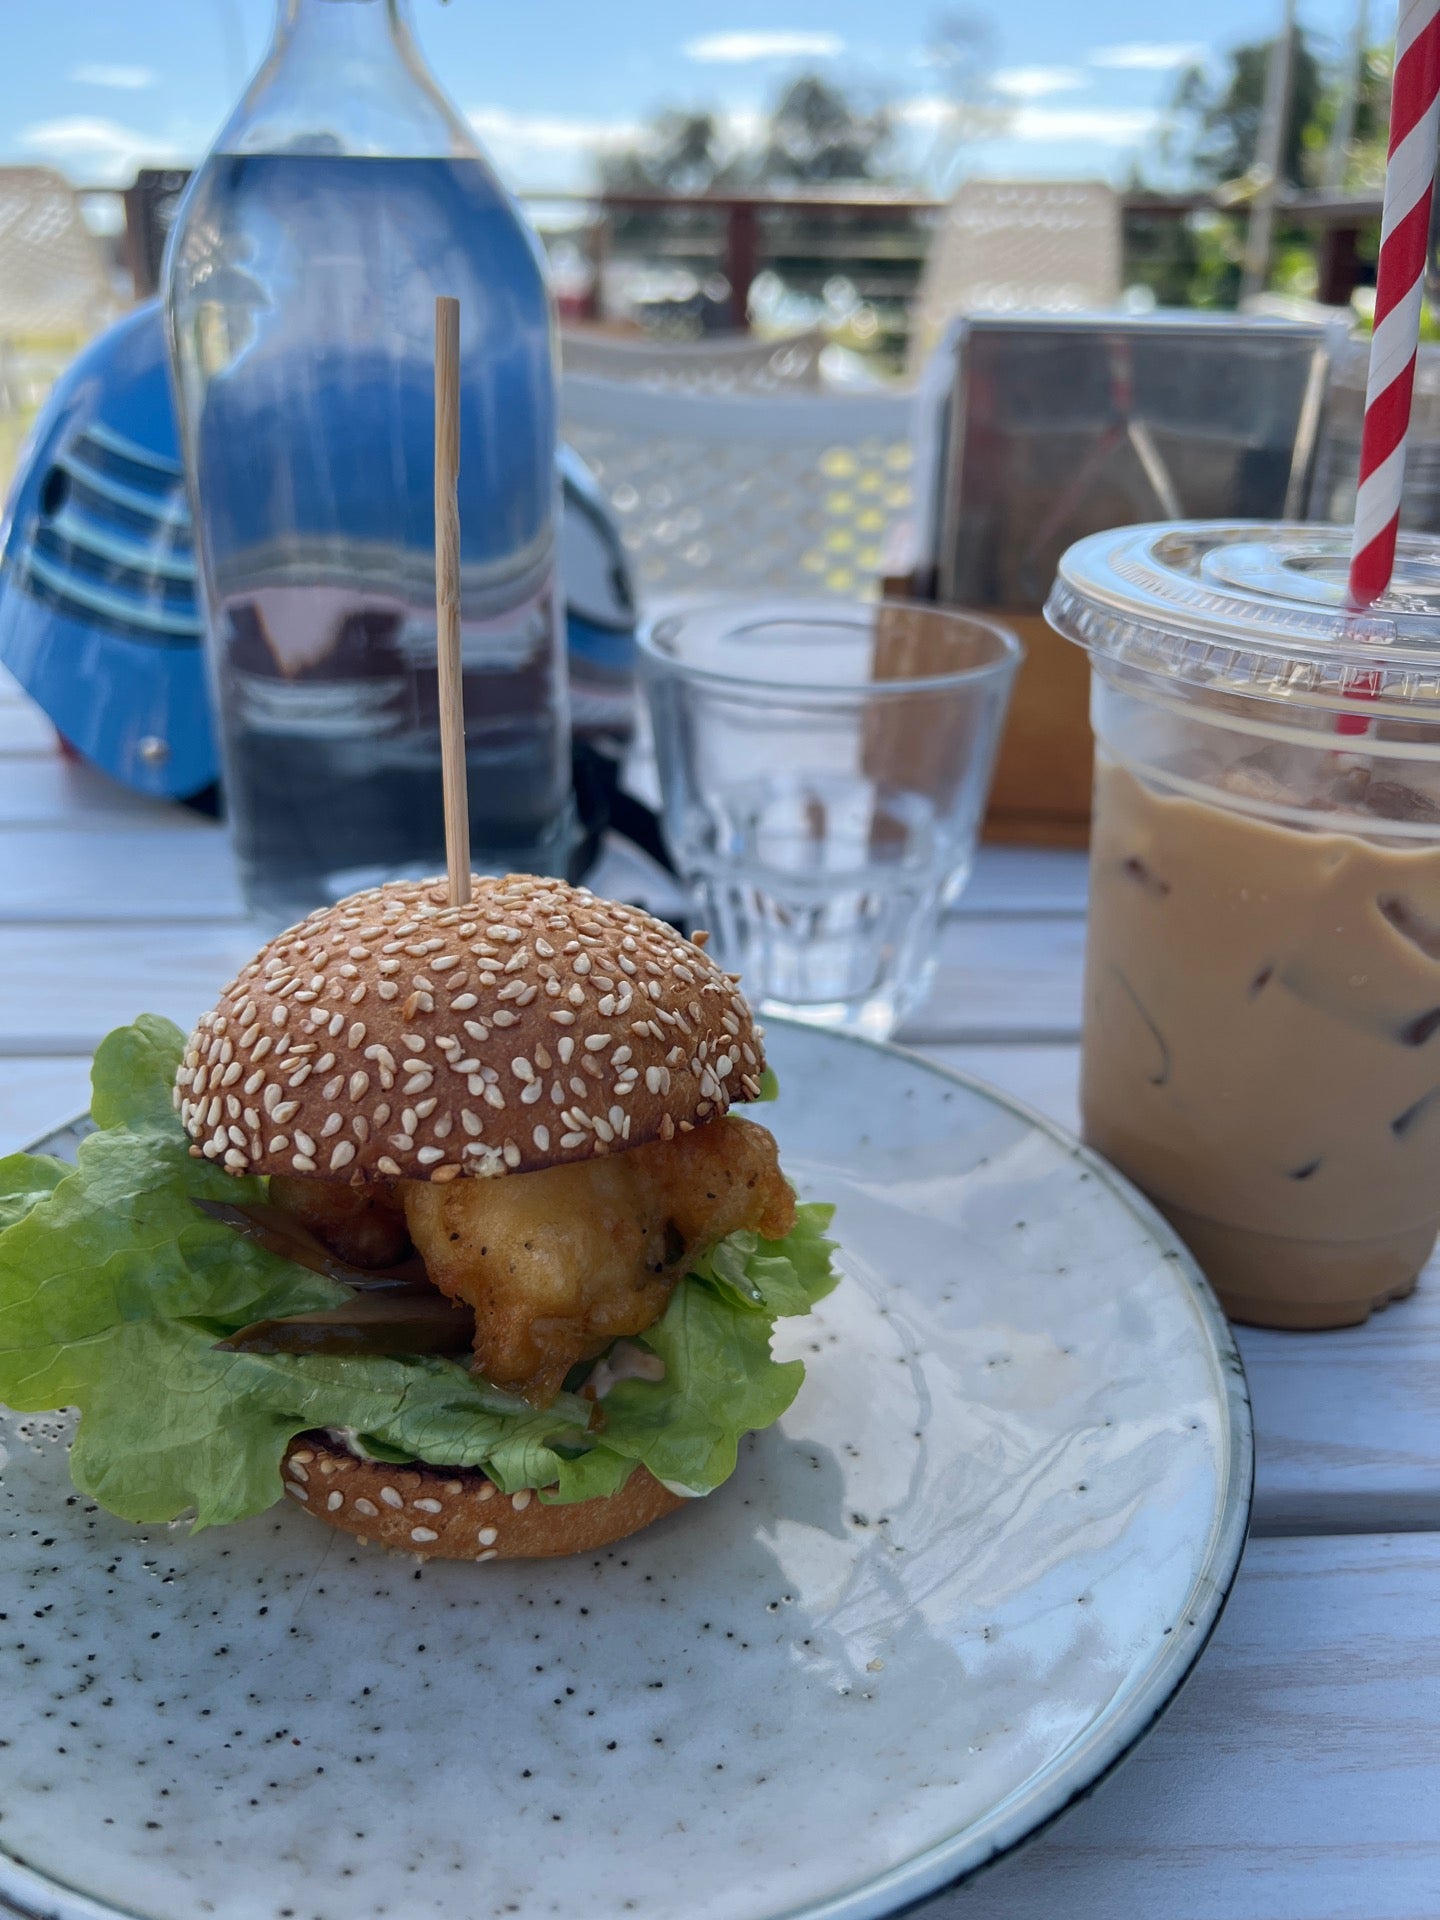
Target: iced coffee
pixel 1262 998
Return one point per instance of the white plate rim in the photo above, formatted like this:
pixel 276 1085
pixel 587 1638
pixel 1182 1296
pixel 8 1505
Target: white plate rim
pixel 1071 1775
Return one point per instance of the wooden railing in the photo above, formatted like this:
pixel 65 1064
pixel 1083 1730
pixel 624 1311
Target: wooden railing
pixel 740 233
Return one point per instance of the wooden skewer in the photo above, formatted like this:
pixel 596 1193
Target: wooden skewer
pixel 447 597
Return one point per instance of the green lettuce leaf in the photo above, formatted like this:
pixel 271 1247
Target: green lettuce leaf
pixel 25 1179
pixel 114 1290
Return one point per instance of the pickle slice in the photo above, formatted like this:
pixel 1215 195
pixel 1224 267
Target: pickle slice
pixel 281 1233
pixel 409 1320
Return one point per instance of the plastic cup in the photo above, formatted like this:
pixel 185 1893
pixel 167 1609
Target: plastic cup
pixel 1261 1048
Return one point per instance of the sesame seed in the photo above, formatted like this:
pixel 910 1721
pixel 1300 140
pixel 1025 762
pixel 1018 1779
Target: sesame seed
pixel 391 1497
pixel 487 1536
pixel 566 1048
pixel 541 1137
pixel 490 1553
pixel 620 1056
pixel 510 1153
pixel 414 1041
pixel 488 1490
pixel 568 1140
pixel 302 1163
pixel 503 1017
pixel 331 1088
pixel 429 1506
pixel 519 1501
pixel 387 1165
pixel 469 1121
pixel 522 1069
pixel 595 1041
pixel 334 1501
pixel 359 1084
pixel 420 1535
pixel 367 1507
pixel 342 1156
pixel 427 1156
pixel 493 1097
pixel 402 1142
pixel 293 1486
pixel 333 1124
pixel 280 1142
pixel 304 1142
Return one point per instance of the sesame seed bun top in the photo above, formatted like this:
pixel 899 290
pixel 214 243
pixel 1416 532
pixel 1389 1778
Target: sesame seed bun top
pixel 395 1035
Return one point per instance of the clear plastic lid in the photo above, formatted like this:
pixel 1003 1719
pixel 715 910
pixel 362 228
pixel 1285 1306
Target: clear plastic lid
pixel 1243 609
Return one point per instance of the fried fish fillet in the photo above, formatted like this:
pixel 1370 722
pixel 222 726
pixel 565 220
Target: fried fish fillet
pixel 559 1263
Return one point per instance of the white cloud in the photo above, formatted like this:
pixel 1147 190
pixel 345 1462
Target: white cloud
pixel 1097 126
pixel 924 110
pixel 99 151
pixel 765 44
pixel 126 79
pixel 1148 56
pixel 544 133
pixel 542 151
pixel 1093 126
pixel 1034 83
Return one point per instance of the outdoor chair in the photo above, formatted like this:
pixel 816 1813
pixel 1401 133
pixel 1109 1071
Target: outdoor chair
pixel 54 290
pixel 724 364
pixel 1018 246
pixel 746 494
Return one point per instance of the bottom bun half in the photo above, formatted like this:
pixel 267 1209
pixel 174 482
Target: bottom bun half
pixel 444 1513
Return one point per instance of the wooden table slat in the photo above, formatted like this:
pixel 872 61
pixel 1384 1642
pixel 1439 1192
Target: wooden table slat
pixel 1295 1777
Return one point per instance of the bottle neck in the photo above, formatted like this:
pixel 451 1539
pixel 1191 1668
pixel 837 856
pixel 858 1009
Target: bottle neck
pixel 343 30
pixel 344 77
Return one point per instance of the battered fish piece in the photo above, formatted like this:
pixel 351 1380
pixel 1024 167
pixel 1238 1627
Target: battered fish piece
pixel 559 1263
pixel 365 1225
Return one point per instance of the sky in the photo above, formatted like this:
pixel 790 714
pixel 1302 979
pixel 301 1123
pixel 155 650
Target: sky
pixel 99 87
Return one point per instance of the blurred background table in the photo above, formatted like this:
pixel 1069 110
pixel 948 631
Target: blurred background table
pixel 1299 1774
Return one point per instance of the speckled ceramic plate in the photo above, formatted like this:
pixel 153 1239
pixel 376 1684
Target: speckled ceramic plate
pixel 952 1588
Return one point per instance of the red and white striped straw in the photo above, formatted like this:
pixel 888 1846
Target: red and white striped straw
pixel 1404 237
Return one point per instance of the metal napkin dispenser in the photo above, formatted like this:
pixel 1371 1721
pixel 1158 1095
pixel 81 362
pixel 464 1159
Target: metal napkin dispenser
pixel 1059 426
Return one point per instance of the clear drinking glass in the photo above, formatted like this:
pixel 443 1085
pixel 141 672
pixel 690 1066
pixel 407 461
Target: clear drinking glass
pixel 824 769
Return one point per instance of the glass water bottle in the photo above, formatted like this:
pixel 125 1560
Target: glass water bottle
pixel 343 195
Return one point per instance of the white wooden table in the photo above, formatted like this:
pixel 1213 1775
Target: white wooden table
pixel 1298 1777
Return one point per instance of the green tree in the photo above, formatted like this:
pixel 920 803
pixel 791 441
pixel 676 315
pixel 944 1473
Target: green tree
pixel 681 152
pixel 1220 124
pixel 1211 139
pixel 819 135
